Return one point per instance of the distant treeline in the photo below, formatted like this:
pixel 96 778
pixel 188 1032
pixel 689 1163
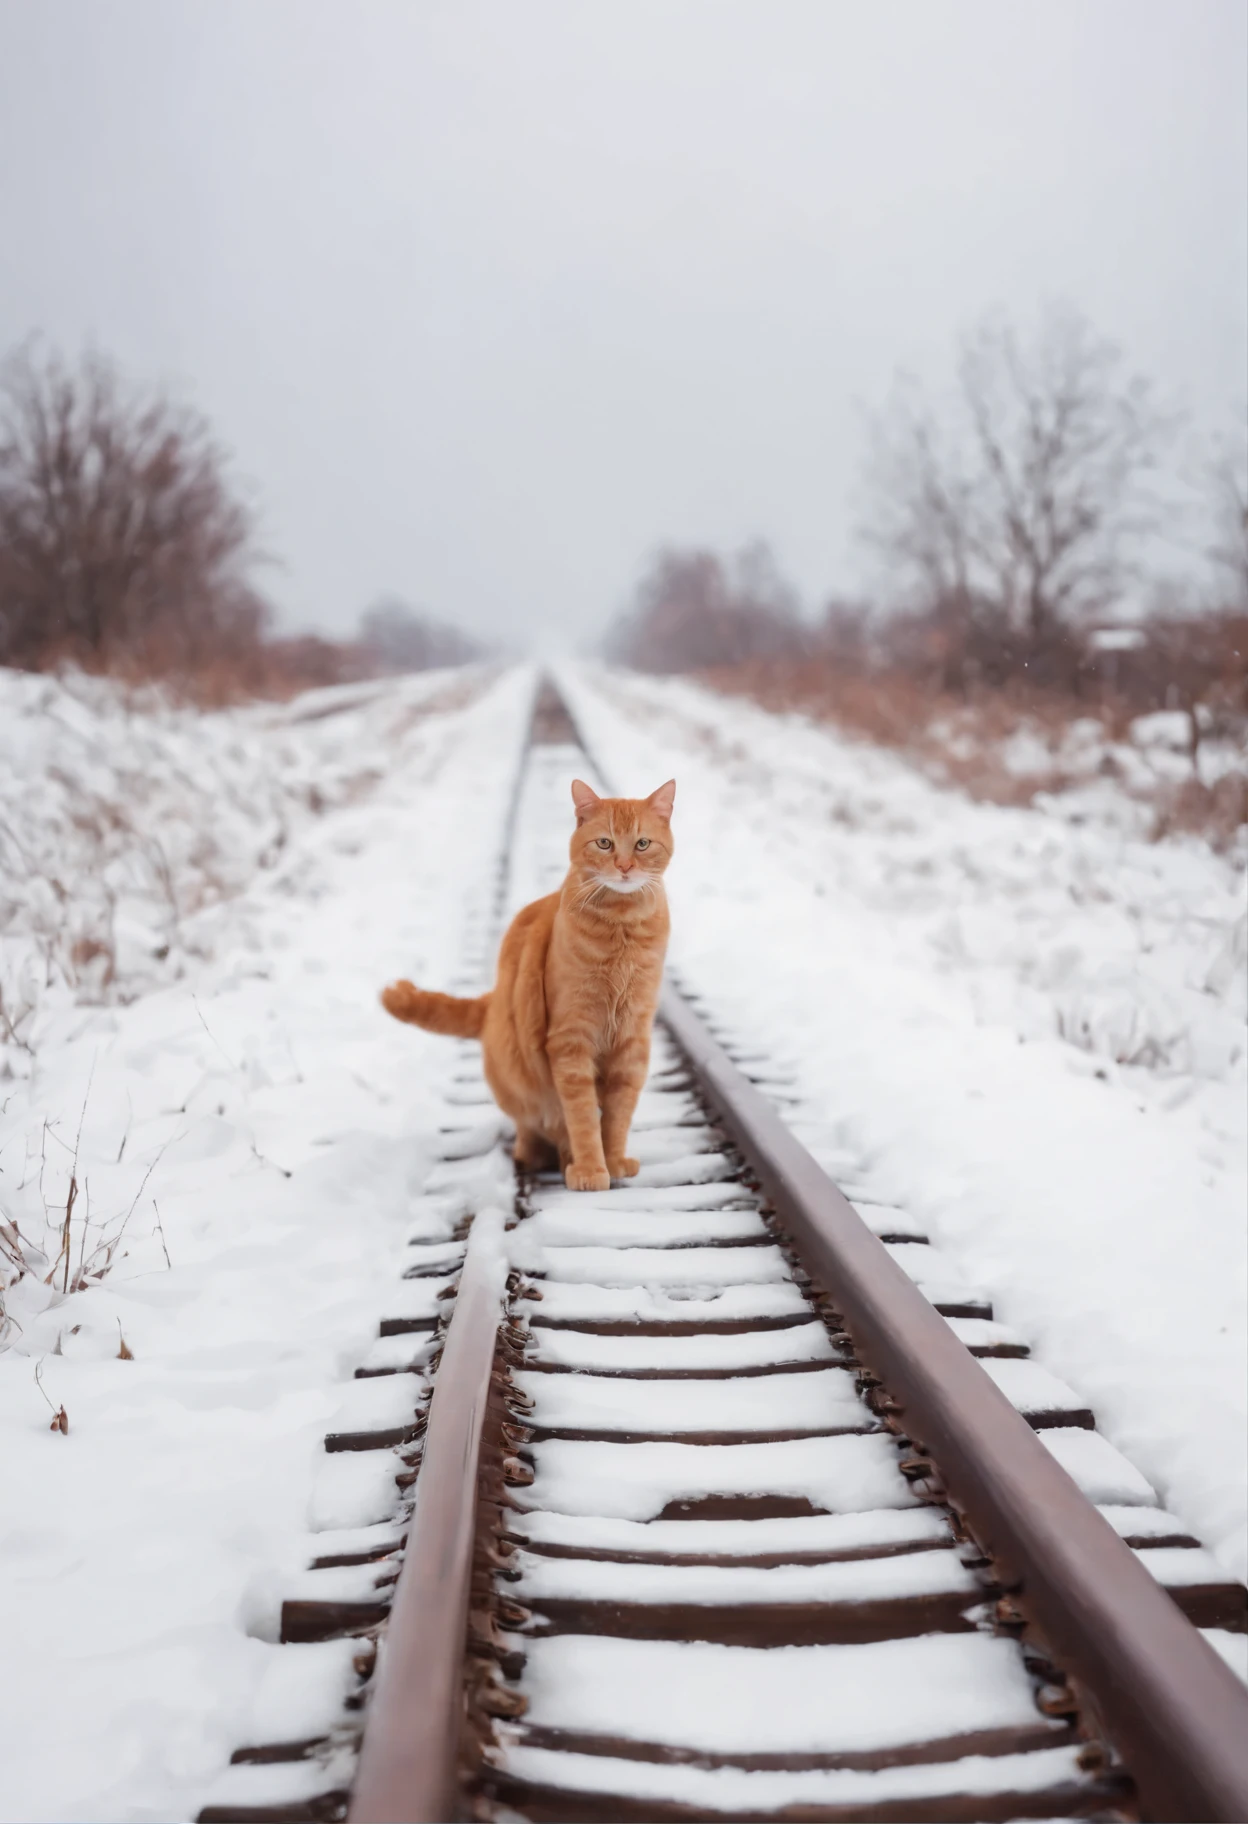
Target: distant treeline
pixel 125 547
pixel 1017 529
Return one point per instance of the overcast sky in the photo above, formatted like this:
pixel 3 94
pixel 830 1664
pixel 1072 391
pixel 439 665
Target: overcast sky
pixel 492 299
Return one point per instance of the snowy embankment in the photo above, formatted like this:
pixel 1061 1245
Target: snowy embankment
pixel 1028 1026
pixel 247 1132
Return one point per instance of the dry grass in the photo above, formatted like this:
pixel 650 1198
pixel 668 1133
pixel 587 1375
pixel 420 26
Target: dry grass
pixel 965 741
pixel 958 738
pixel 1217 812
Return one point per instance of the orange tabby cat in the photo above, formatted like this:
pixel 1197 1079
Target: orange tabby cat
pixel 565 1030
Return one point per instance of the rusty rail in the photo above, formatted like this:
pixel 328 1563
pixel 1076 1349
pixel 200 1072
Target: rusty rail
pixel 1177 1715
pixel 408 1772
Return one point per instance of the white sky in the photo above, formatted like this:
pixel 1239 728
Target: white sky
pixel 491 298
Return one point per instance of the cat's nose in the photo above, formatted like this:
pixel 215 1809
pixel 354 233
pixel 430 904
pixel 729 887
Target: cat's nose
pixel 624 866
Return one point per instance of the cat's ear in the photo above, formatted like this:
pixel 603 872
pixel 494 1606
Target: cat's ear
pixel 663 800
pixel 586 800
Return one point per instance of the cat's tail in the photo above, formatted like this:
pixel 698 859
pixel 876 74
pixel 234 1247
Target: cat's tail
pixel 463 1019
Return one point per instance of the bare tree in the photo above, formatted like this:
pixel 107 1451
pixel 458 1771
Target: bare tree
pixel 394 638
pixel 692 611
pixel 122 543
pixel 1025 511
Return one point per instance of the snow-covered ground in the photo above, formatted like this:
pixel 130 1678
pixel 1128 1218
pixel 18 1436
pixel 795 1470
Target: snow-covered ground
pixel 1026 1025
pixel 254 1137
pixel 126 821
pixel 1025 1028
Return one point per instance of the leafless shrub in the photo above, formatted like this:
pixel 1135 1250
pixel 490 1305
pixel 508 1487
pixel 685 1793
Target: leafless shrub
pixel 693 610
pixel 1215 812
pixel 394 638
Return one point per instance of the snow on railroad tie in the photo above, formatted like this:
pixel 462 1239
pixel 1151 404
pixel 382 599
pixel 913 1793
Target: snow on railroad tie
pixel 834 1475
pixel 698 1148
pixel 668 1267
pixel 749 1731
pixel 668 1109
pixel 790 1540
pixel 735 1703
pixel 548 1584
pixel 1040 1783
pixel 671 1309
pixel 821 1404
pixel 682 1168
pixel 748 1352
pixel 627 1197
pixel 569 1226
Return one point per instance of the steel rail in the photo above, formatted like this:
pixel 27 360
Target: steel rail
pixel 1174 1711
pixel 408 1771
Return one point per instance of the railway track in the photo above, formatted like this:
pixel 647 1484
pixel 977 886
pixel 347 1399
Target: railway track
pixel 720 1495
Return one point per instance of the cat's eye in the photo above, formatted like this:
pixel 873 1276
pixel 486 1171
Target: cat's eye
pixel 605 842
pixel 643 842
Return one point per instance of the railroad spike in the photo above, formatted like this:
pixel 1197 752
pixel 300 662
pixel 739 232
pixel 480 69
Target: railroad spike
pixel 1057 1700
pixel 483 1637
pixel 1008 1613
pixel 495 1700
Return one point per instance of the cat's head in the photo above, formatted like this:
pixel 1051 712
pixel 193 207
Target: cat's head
pixel 622 843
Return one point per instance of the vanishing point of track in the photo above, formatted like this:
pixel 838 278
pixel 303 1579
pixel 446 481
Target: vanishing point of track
pixel 717 1496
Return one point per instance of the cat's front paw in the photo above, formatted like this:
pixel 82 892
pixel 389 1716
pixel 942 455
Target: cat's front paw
pixel 623 1168
pixel 586 1178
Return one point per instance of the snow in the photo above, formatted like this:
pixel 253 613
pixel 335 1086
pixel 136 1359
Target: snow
pixel 818 1402
pixel 907 1574
pixel 302 1694
pixel 667 1267
pixel 982 1333
pixel 1103 1473
pixel 606 1207
pixel 1177 1567
pixel 1023 1027
pixel 247 1091
pixel 196 914
pixel 566 1226
pixel 680 1168
pixel 728 1789
pixel 127 822
pixel 743 1700
pixel 1030 1387
pixel 666 1304
pixel 592 1354
pixel 887 1219
pixel 841 1475
pixel 378 1402
pixel 879 1530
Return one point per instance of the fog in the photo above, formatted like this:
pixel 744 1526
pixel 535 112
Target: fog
pixel 490 300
